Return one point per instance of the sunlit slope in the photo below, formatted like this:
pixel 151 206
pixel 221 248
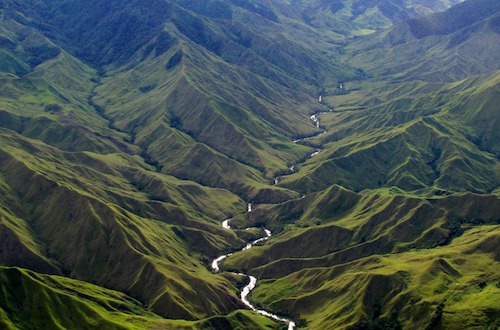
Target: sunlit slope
pixel 419 137
pixel 245 33
pixel 31 300
pixel 85 203
pixel 347 259
pixel 45 94
pixel 199 78
pixel 448 46
pixel 338 225
pixel 114 222
pixel 344 19
pixel 130 129
pixel 446 287
pixel 184 123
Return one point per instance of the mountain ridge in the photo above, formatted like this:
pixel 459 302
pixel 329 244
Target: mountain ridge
pixel 120 159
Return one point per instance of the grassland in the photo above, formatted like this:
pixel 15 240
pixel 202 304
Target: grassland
pixel 129 130
pixel 446 287
pixel 34 301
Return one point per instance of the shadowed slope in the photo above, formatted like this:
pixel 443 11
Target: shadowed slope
pixel 39 301
pixel 448 46
pixel 352 261
pixel 337 226
pixel 31 300
pixel 213 93
pixel 49 99
pixel 92 223
pixel 421 137
pixel 428 288
pixel 340 19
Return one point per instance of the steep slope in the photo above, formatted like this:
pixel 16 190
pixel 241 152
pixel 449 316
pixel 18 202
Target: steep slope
pixel 444 134
pixel 90 185
pixel 28 298
pixel 185 118
pixel 415 136
pixel 346 19
pixel 45 92
pixel 448 46
pixel 447 287
pixel 344 226
pixel 348 261
pixel 62 201
pixel 129 130
pixel 413 145
pixel 210 76
pixel 82 203
pixel 32 300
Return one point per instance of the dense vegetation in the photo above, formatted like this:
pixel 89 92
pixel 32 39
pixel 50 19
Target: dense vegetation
pixel 130 129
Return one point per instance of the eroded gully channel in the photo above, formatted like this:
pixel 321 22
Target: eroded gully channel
pixel 252 280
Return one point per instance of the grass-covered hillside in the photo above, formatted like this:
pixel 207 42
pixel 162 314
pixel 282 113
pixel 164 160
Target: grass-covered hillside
pixel 424 138
pixel 129 130
pixel 351 18
pixel 34 301
pixel 446 287
pixel 446 46
pixel 375 260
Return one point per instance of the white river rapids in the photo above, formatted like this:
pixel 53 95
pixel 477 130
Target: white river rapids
pixel 314 118
pixel 253 281
pixel 225 224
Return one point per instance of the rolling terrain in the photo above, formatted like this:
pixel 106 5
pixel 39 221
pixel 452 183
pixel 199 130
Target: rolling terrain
pixel 416 156
pixel 129 130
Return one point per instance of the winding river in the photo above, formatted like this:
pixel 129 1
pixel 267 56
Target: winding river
pixel 252 280
pixel 314 118
pixel 225 224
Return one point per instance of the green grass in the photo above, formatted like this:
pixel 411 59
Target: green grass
pixel 32 300
pixel 404 288
pixel 437 48
pixel 120 158
pixel 238 106
pixel 122 236
pixel 398 135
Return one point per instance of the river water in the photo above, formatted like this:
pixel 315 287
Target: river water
pixel 252 280
pixel 314 118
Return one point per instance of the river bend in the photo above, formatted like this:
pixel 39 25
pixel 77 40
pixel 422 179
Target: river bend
pixel 252 280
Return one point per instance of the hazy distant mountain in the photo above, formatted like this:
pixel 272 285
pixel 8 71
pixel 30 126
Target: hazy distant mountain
pixel 455 44
pixel 129 130
pixel 358 17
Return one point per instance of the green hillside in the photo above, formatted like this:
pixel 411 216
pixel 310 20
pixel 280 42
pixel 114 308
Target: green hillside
pixel 448 46
pixel 34 301
pixel 452 147
pixel 445 288
pixel 130 130
pixel 351 18
pixel 348 261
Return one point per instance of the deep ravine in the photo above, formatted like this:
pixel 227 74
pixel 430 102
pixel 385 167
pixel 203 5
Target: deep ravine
pixel 314 118
pixel 225 224
pixel 252 280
